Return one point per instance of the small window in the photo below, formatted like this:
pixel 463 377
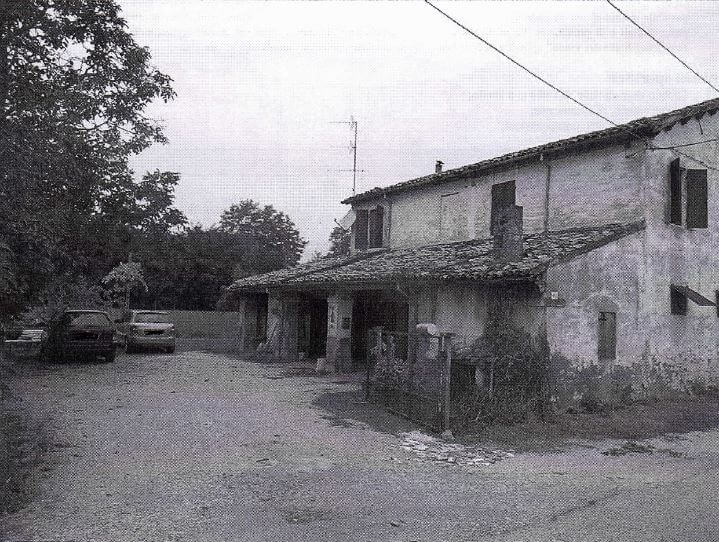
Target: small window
pixel 678 301
pixel 697 195
pixel 376 227
pixel 607 343
pixel 503 196
pixel 360 229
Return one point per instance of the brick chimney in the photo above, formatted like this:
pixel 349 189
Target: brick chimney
pixel 438 166
pixel 508 231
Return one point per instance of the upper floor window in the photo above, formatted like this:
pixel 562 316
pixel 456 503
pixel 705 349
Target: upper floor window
pixel 503 196
pixel 688 196
pixel 369 228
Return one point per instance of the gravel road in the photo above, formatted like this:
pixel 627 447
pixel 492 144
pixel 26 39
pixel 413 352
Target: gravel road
pixel 199 446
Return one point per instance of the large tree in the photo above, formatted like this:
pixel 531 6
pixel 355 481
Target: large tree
pixel 339 242
pixel 268 238
pixel 74 85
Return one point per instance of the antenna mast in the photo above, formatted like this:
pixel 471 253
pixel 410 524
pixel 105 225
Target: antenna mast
pixel 353 147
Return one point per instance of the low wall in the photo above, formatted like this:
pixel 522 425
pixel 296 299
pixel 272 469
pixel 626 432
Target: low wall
pixel 202 324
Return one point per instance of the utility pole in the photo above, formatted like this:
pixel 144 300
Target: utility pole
pixel 353 148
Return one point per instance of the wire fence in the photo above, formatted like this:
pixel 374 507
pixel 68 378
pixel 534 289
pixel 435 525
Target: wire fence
pixel 409 374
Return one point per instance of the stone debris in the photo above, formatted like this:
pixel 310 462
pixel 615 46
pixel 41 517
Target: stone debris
pixel 431 449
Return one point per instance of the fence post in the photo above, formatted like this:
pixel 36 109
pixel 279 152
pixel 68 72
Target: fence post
pixel 447 340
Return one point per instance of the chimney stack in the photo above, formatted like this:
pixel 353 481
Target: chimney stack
pixel 438 166
pixel 508 231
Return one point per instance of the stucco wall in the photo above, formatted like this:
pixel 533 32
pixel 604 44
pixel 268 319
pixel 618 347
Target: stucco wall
pixel 463 309
pixel 687 345
pixel 593 188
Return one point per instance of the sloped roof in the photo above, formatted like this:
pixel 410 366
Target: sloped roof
pixel 463 261
pixel 281 276
pixel 643 127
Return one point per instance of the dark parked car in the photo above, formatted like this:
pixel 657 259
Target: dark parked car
pixel 148 329
pixel 81 334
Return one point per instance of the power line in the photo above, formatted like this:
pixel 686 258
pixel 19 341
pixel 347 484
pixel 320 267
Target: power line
pixel 560 91
pixel 655 40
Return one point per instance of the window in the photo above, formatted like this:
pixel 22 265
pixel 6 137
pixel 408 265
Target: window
pixel 607 343
pixel 369 228
pixel 716 301
pixel 678 300
pixel 691 186
pixel 503 196
pixel 376 227
pixel 360 227
pixel 697 193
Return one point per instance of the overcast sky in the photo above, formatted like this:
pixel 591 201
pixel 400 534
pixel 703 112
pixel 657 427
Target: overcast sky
pixel 260 84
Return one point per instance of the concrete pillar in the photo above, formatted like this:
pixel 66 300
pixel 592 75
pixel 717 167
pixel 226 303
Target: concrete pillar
pixel 339 332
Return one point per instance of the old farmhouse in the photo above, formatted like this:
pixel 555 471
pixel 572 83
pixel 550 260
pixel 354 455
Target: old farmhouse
pixel 605 244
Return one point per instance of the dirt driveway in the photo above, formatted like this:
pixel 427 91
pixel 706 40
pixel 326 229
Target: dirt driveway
pixel 198 446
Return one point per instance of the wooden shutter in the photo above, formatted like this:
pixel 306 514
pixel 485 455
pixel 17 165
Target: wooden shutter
pixel 360 227
pixel 697 195
pixel 607 340
pixel 675 193
pixel 678 300
pixel 376 227
pixel 503 195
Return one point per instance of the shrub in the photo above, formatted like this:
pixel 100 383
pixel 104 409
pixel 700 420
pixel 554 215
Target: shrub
pixel 515 369
pixel 60 294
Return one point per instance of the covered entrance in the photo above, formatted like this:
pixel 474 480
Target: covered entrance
pixel 312 327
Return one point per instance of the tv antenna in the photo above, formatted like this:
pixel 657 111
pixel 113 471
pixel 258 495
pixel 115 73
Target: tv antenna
pixel 353 149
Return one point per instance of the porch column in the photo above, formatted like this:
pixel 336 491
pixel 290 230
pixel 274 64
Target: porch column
pixel 339 332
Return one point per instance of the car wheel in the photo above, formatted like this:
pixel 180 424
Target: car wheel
pixel 171 349
pixel 110 356
pixel 129 347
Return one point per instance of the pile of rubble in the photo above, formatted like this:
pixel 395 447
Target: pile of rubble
pixel 431 449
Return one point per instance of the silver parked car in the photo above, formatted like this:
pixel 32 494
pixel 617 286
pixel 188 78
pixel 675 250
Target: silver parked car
pixel 148 329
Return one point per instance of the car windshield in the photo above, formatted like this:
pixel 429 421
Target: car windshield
pixel 88 319
pixel 152 318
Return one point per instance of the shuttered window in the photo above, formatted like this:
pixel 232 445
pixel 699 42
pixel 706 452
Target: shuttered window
pixel 360 229
pixel 607 337
pixel 678 301
pixel 503 196
pixel 697 195
pixel 675 193
pixel 376 227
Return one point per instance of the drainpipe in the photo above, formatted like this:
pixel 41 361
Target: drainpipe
pixel 547 184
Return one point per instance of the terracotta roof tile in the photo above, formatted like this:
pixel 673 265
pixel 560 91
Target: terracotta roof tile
pixel 644 127
pixel 467 260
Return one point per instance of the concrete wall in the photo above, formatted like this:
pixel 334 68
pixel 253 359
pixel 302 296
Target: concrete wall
pixel 464 309
pixel 656 350
pixel 605 279
pixel 682 347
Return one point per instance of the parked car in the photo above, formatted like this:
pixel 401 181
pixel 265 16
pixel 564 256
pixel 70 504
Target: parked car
pixel 81 334
pixel 148 329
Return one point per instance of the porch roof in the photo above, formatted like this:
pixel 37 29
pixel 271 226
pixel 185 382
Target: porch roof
pixel 472 260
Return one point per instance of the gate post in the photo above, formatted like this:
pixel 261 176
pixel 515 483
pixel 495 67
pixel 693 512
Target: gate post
pixel 447 385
